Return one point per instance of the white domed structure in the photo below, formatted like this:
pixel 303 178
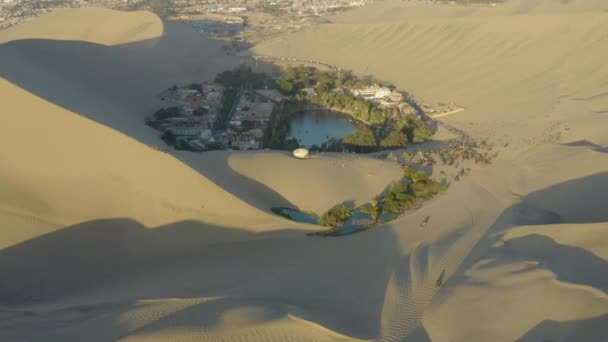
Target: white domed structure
pixel 301 153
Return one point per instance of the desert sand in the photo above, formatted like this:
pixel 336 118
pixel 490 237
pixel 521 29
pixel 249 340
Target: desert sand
pixel 106 238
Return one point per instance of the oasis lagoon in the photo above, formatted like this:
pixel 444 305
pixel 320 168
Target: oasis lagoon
pixel 316 127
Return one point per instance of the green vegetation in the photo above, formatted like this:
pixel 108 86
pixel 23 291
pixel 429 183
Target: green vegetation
pixel 285 86
pixel 335 216
pixel 398 199
pixel 275 133
pixel 356 107
pixel 361 140
pixel 200 111
pixel 417 131
pixel 165 113
pixel 395 139
pixel 243 78
pixel 169 138
pixel 373 210
pixel 196 86
pixel 162 8
pixel 409 193
pixel 421 186
pixel 385 127
pixel 228 101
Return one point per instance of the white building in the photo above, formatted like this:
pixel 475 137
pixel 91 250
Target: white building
pixel 383 92
pixel 373 92
pixel 237 9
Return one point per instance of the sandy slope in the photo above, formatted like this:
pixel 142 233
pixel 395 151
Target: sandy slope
pixel 530 75
pixel 92 217
pixel 94 25
pixel 520 246
pixel 110 73
pixel 299 183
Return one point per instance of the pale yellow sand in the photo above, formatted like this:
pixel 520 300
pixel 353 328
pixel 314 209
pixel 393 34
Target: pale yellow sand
pixel 520 245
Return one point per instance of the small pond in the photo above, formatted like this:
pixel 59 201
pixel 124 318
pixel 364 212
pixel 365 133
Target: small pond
pixel 359 221
pixel 316 127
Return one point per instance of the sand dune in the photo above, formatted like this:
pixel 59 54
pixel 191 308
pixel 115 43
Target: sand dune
pixel 108 238
pixel 110 73
pixel 531 77
pixel 253 176
pixel 517 75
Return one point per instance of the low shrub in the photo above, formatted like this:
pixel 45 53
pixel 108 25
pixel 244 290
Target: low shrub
pixel 335 216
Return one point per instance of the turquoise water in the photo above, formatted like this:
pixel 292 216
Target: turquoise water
pixel 314 127
pixel 359 221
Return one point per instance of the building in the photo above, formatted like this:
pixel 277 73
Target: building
pixel 396 97
pixel 252 114
pixel 310 91
pixel 373 92
pixel 185 92
pixel 185 132
pixel 237 9
pixel 245 141
pixel 270 94
pixel 365 92
pixel 187 111
pixel 382 93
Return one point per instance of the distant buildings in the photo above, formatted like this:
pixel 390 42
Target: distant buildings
pixel 373 92
pixel 237 9
pixel 252 111
pixel 270 94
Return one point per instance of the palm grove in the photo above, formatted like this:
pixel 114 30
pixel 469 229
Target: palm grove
pixel 379 128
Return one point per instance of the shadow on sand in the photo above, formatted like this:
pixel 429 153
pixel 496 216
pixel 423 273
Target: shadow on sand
pixel 576 330
pixel 215 166
pixel 117 86
pixel 103 267
pixel 589 144
pixel 580 200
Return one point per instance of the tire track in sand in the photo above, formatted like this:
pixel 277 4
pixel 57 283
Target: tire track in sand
pixel 413 284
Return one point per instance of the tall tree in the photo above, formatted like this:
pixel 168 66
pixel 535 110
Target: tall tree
pixel 162 8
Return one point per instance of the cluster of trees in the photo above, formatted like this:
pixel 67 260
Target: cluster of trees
pixel 243 77
pixel 165 113
pixel 179 144
pixel 200 111
pixel 196 86
pixel 162 8
pixel 421 186
pixel 367 139
pixel 228 100
pixel 362 140
pixel 335 217
pixel 417 130
pixel 275 133
pixel 355 106
pixel 408 193
pixel 171 112
pixel 382 130
pixel 297 78
pixel 331 145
